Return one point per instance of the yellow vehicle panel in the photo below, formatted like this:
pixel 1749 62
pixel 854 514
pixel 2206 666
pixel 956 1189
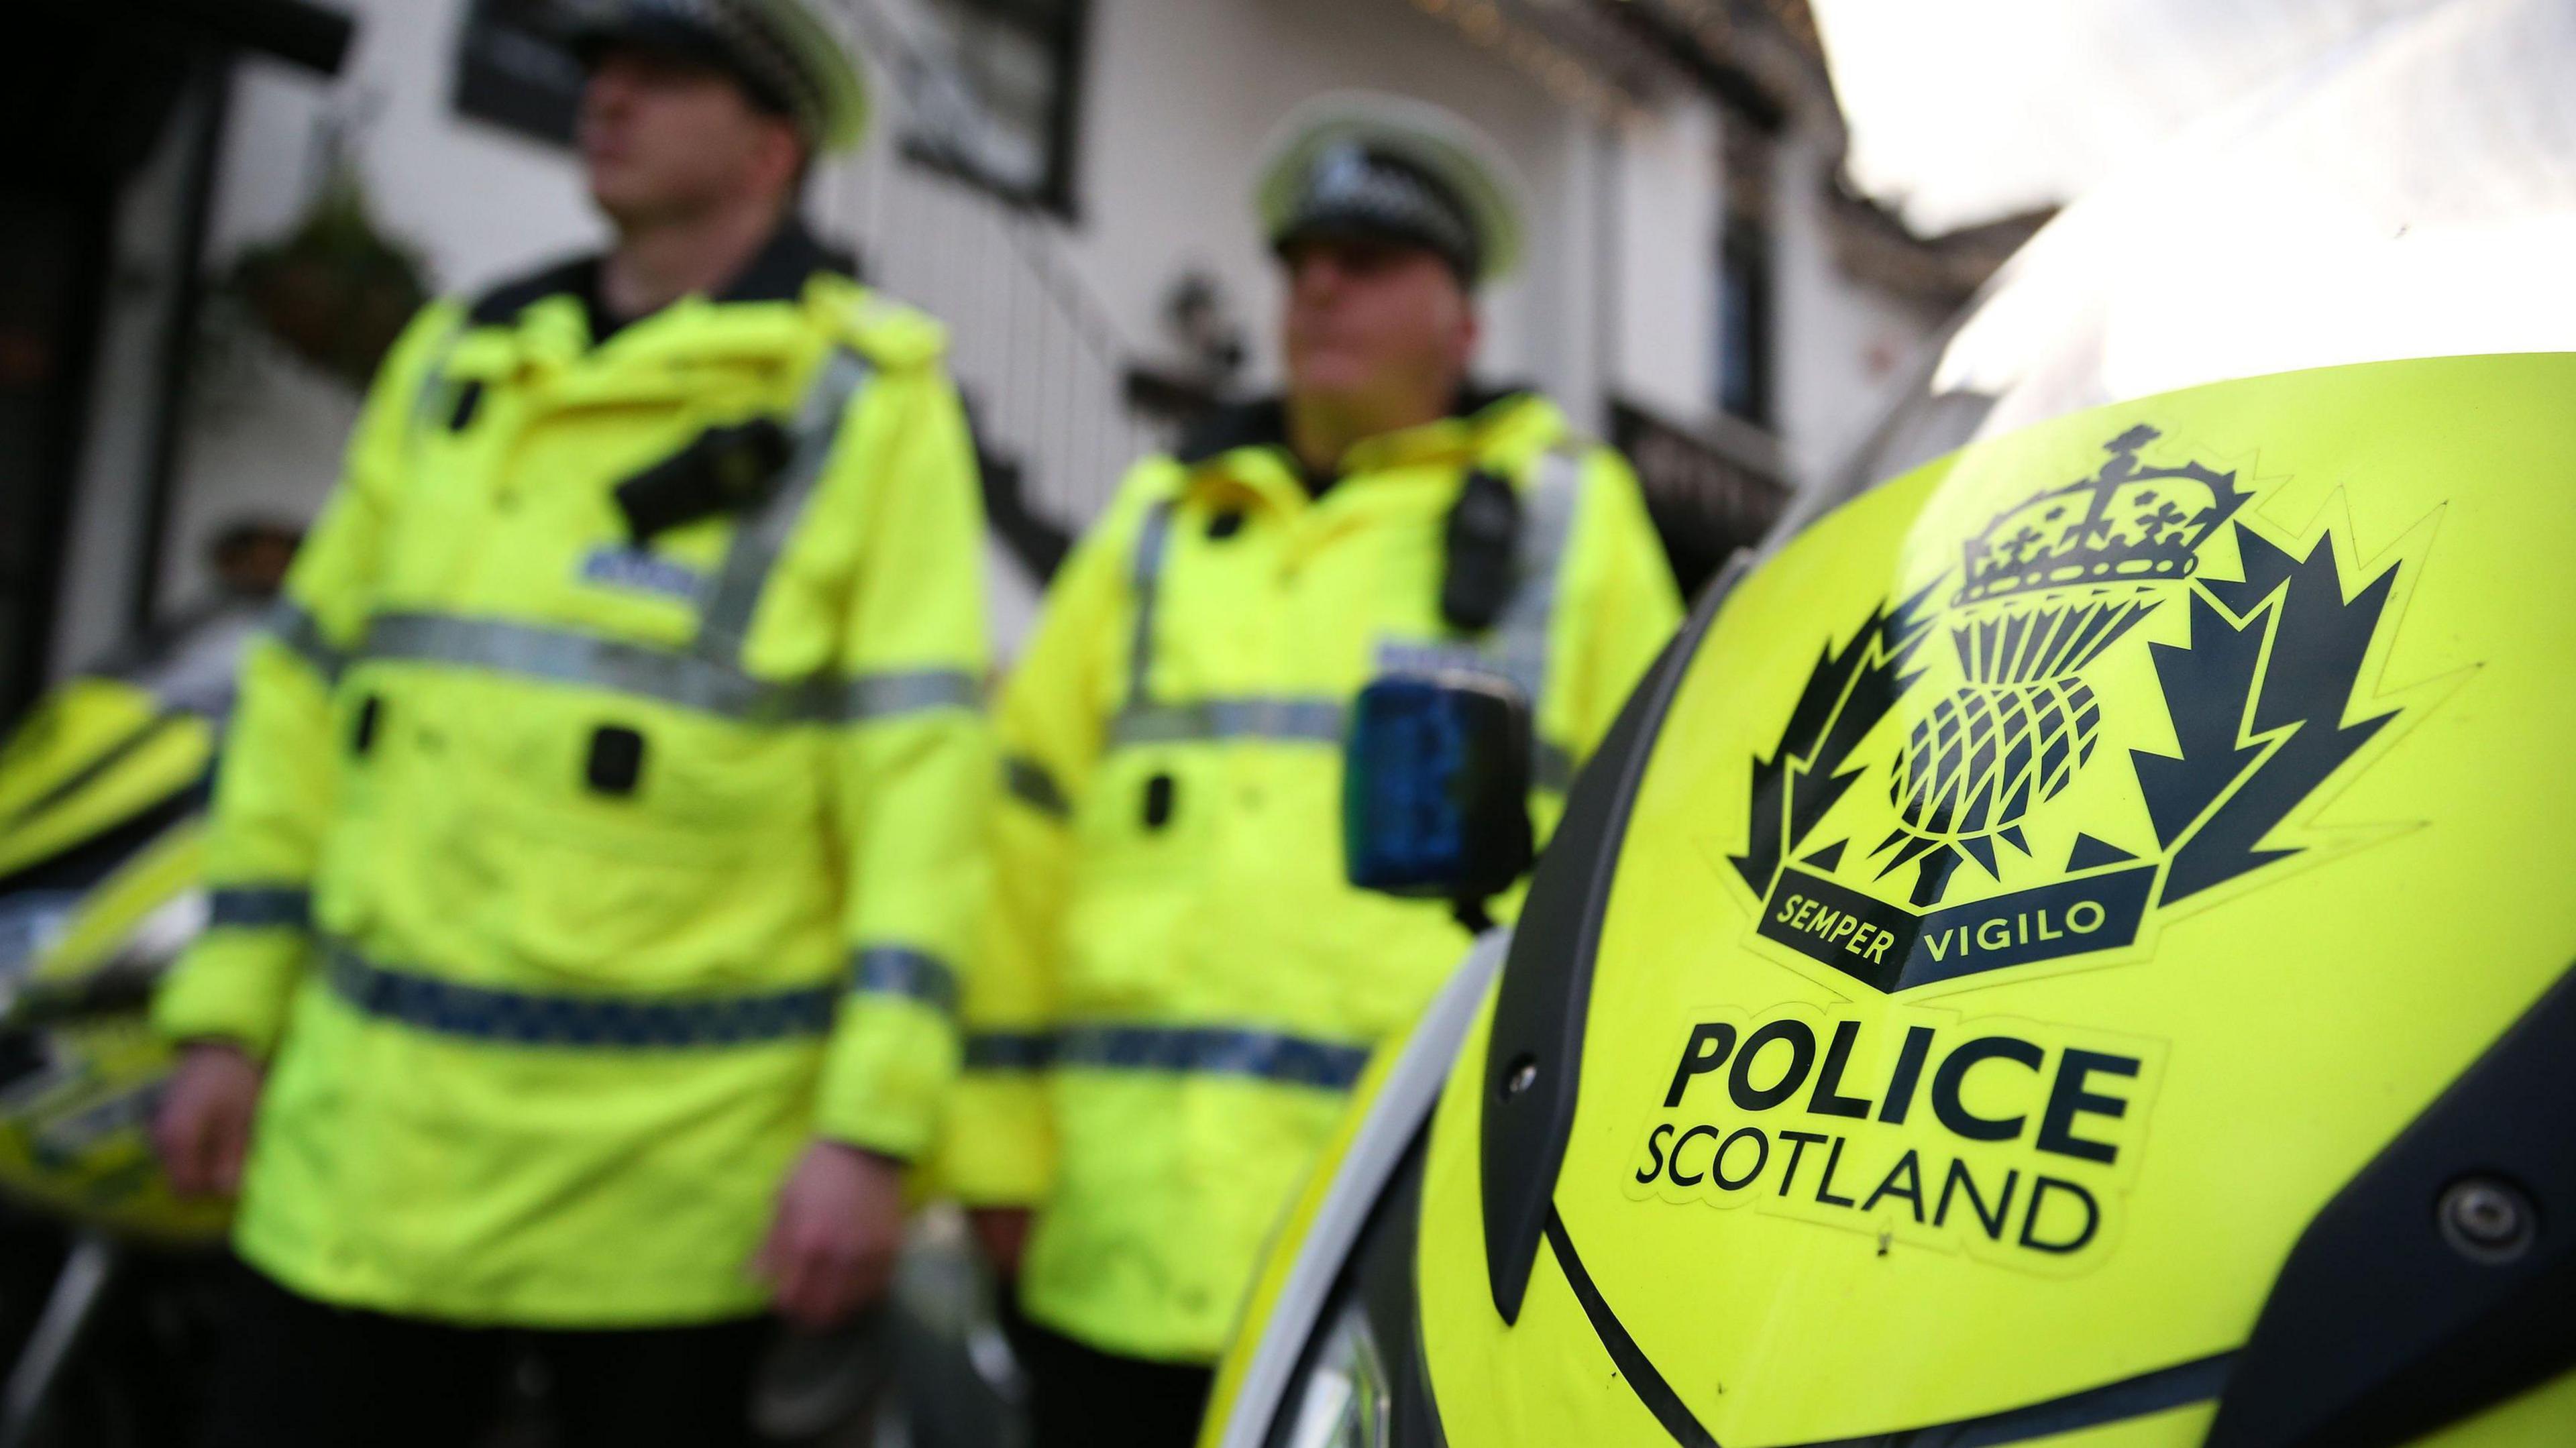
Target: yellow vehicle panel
pixel 96 751
pixel 75 1126
pixel 2061 870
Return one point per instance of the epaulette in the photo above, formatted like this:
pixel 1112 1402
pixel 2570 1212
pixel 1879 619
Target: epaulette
pixel 1243 424
pixel 503 303
pixel 890 334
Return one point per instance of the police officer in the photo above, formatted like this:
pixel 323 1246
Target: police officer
pixel 1180 986
pixel 593 844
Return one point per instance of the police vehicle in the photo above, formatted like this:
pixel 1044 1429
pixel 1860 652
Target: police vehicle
pixel 2071 943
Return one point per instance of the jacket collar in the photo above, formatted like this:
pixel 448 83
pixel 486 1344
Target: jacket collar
pixel 1484 422
pixel 776 273
pixel 779 271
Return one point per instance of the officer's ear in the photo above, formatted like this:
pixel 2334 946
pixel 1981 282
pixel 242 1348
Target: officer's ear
pixel 780 161
pixel 1470 329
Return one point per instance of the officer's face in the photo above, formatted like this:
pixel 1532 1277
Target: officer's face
pixel 663 138
pixel 1371 318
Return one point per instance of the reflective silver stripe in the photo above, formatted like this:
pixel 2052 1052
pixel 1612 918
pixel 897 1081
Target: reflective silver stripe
pixel 1520 636
pixel 759 539
pixel 529 651
pixel 1152 543
pixel 902 971
pixel 433 379
pixel 292 625
pixel 1518 645
pixel 886 696
pixel 1293 721
pixel 685 680
pixel 259 907
pixel 1278 721
pixel 1029 782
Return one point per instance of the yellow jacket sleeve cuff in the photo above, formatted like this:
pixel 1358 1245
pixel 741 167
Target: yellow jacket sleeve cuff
pixel 997 1148
pixel 236 984
pixel 886 1074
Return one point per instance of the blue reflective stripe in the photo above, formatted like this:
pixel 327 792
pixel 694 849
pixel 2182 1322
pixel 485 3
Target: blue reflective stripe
pixel 255 907
pixel 530 1018
pixel 292 625
pixel 1029 782
pixel 1009 1051
pixel 898 970
pixel 1217 1051
pixel 1177 1050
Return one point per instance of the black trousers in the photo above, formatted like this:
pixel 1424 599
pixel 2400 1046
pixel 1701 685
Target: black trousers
pixel 294 1373
pixel 1081 1397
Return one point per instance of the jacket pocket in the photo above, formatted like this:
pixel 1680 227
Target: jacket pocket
pixel 641 851
pixel 1143 833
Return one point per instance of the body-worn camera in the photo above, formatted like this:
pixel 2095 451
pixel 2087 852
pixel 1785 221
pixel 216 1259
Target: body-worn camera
pixel 1435 787
pixel 723 470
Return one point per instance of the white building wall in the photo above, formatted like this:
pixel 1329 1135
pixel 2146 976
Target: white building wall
pixel 1177 99
pixel 1665 228
pixel 263 438
pixel 1843 350
pixel 1182 94
pixel 481 201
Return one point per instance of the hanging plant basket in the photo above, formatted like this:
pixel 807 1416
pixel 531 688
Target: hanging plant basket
pixel 336 291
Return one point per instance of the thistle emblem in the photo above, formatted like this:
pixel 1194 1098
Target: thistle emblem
pixel 2049 586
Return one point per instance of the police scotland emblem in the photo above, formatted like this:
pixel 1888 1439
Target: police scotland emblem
pixel 1944 800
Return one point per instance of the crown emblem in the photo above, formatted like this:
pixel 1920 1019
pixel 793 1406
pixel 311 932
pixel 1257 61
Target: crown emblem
pixel 2051 585
pixel 2127 522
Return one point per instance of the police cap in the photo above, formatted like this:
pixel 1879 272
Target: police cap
pixel 1360 164
pixel 785 53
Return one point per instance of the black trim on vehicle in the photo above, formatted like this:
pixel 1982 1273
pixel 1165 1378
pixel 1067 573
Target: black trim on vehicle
pixel 2150 1392
pixel 2382 1325
pixel 1534 1054
pixel 1635 1368
pixel 2158 1391
pixel 1379 1274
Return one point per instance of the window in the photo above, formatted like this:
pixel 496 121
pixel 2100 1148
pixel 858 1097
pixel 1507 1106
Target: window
pixel 1744 323
pixel 1744 274
pixel 997 108
pixel 511 71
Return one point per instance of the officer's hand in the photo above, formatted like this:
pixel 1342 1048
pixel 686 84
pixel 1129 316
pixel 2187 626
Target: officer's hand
pixel 1003 1232
pixel 203 1127
pixel 831 1249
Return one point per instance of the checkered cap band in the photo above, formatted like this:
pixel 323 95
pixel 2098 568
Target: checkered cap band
pixel 737 32
pixel 1351 188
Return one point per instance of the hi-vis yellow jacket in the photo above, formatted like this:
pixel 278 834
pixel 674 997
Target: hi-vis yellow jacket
pixel 577 882
pixel 1179 986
